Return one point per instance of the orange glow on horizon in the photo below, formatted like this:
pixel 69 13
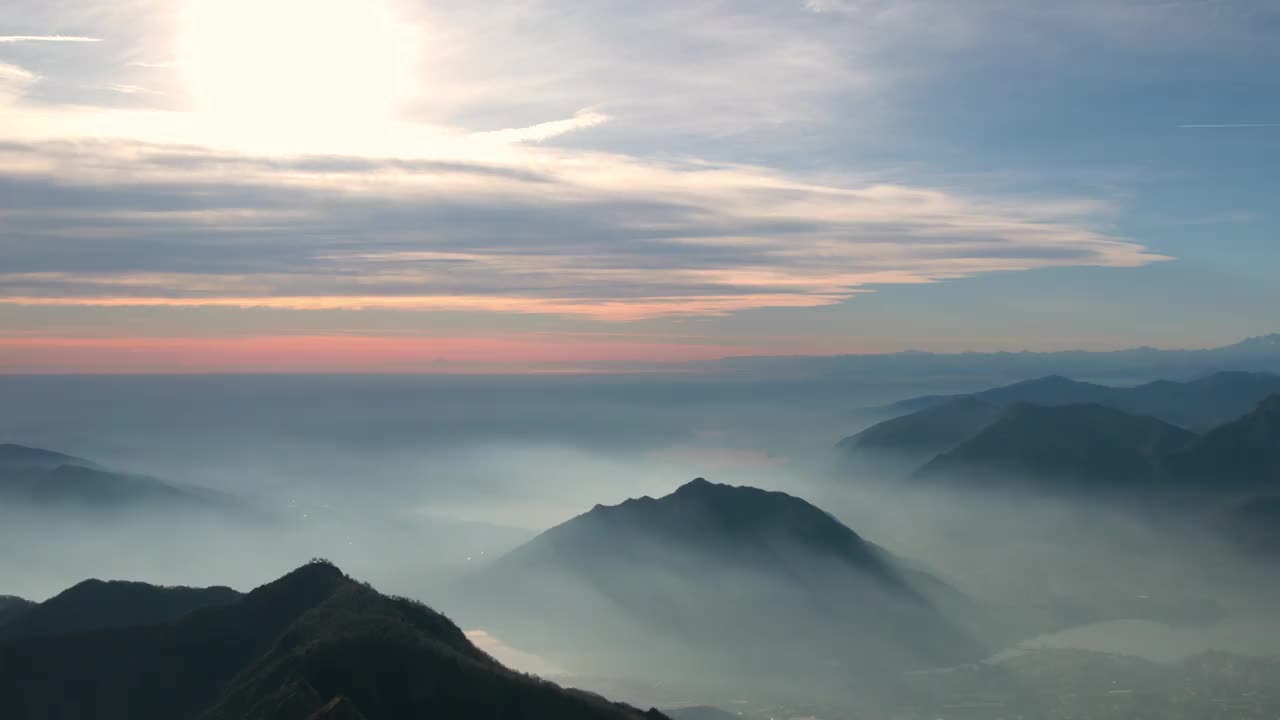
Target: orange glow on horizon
pixel 340 354
pixel 606 310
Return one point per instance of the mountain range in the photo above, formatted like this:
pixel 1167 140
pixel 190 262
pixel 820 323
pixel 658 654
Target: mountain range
pixel 34 477
pixel 737 581
pixel 1257 354
pixel 313 645
pixel 1054 429
pixel 1093 445
pixel 100 605
pixel 1198 404
pixel 1240 455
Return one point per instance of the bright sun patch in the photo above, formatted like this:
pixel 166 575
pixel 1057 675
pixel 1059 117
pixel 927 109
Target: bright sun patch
pixel 329 62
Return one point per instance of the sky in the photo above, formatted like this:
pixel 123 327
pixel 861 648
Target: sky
pixel 545 185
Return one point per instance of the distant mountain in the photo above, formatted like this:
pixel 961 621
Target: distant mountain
pixel 1049 390
pixel 1243 455
pixel 98 605
pixel 911 440
pixel 1197 405
pixel 1200 404
pixel 14 458
pixel 1067 447
pixel 314 645
pixel 42 478
pixel 937 424
pixel 720 579
pixel 1134 365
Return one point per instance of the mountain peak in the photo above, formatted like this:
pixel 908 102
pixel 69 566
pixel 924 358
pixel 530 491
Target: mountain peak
pixel 698 485
pixel 317 571
pixel 1052 380
pixel 302 588
pixel 1260 342
pixel 702 518
pixel 655 566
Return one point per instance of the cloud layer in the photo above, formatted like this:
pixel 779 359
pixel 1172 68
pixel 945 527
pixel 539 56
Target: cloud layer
pixel 611 162
pixel 538 231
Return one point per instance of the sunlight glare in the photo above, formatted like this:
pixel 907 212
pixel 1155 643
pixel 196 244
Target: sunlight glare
pixel 299 63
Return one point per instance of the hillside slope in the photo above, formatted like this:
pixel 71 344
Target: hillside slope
pixel 314 644
pixel 732 580
pixel 1065 448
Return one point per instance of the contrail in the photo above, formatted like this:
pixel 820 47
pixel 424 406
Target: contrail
pixel 1233 125
pixel 47 38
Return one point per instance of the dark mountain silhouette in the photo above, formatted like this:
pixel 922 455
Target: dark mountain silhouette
pixel 99 605
pixel 1243 455
pixel 43 478
pixel 12 608
pixel 911 440
pixel 1196 405
pixel 313 645
pixel 1068 447
pixel 722 579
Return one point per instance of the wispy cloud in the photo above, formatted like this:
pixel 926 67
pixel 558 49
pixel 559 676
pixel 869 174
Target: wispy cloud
pixel 48 38
pixel 428 215
pixel 545 131
pixel 603 236
pixel 14 82
pixel 132 89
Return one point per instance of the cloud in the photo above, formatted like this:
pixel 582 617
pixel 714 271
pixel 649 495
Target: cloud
pixel 535 230
pixel 48 38
pixel 545 131
pixel 132 90
pixel 14 82
pixel 129 207
pixel 710 68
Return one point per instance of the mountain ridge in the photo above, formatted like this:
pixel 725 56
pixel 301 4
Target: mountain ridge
pixel 1240 455
pixel 1201 403
pixel 646 569
pixel 1260 353
pixel 312 644
pixel 39 478
pixel 1089 443
pixel 98 605
pixel 904 444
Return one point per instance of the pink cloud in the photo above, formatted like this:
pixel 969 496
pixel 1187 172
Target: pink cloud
pixel 338 353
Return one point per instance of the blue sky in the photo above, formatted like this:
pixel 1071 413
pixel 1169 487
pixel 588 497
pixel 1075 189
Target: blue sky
pixel 463 186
